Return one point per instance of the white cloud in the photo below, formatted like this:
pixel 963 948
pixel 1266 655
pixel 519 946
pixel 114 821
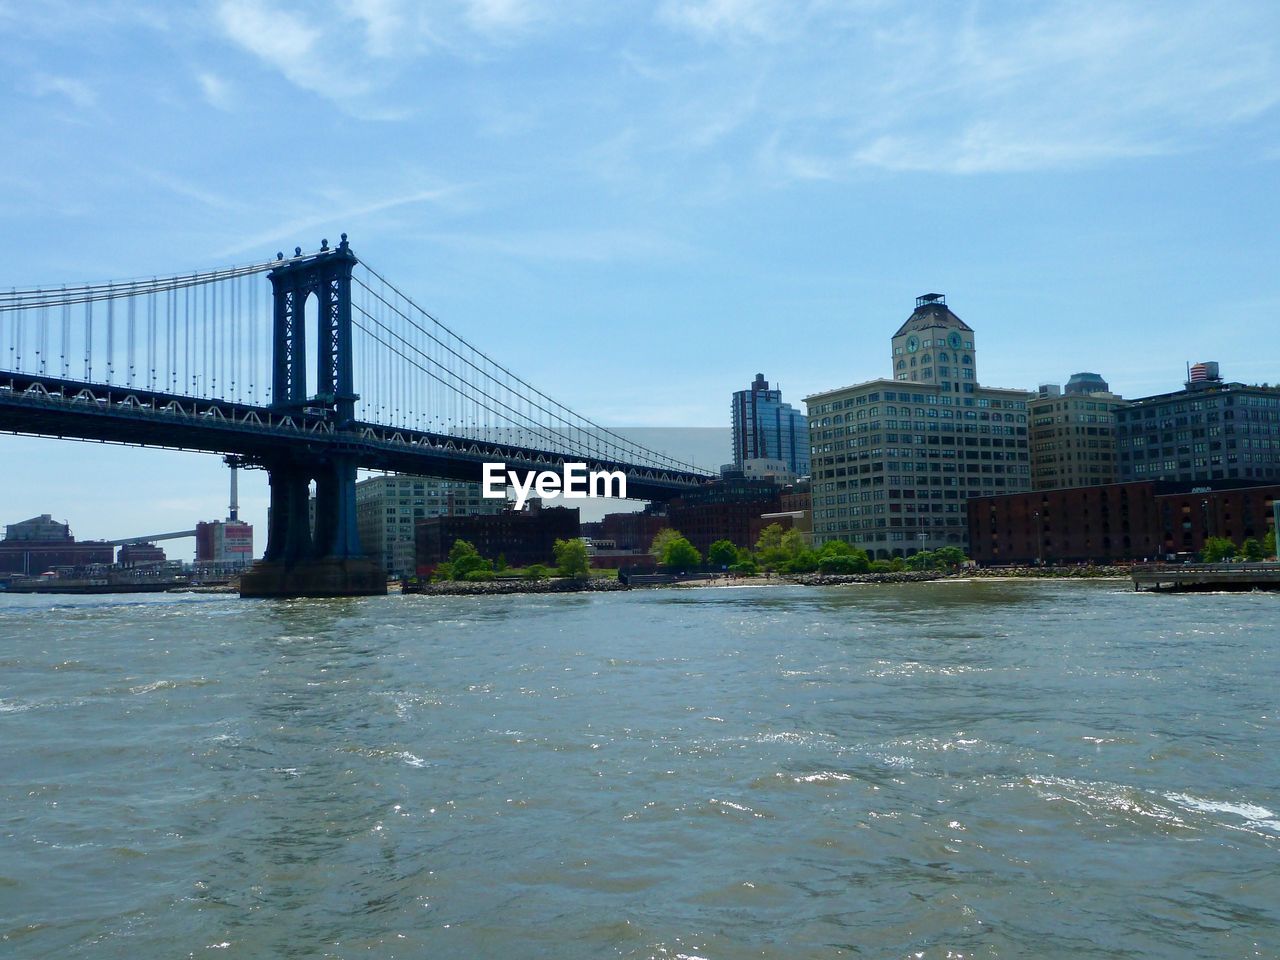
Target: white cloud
pixel 279 38
pixel 727 18
pixel 77 92
pixel 583 246
pixel 216 91
pixel 500 15
pixel 349 217
pixel 977 89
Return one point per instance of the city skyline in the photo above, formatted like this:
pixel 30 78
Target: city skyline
pixel 1092 186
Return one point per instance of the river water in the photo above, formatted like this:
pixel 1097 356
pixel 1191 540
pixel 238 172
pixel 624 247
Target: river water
pixel 940 770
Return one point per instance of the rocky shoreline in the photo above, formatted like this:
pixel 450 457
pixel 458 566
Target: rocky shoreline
pixel 608 584
pixel 480 588
pixel 833 579
pixel 1047 573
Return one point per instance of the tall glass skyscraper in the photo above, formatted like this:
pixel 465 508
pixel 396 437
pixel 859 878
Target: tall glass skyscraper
pixel 766 428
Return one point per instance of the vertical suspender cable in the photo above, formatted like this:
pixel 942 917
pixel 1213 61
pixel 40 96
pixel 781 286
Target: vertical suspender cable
pixel 66 338
pixel 88 340
pixel 131 328
pixel 111 337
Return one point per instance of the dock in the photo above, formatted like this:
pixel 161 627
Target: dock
pixel 1205 577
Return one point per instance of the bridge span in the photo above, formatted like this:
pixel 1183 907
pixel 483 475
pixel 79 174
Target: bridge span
pixel 206 363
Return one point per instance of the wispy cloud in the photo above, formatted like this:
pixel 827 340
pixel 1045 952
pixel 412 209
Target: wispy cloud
pixel 728 19
pixel 77 92
pixel 349 217
pixel 280 39
pixel 216 91
pixel 982 90
pixel 582 246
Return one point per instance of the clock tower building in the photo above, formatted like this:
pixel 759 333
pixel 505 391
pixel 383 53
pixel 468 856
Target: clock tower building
pixel 895 460
pixel 935 346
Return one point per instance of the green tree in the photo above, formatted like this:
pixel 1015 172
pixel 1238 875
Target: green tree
pixel 836 556
pixel 679 554
pixel 536 571
pixel 501 563
pixel 949 558
pixel 571 558
pixel 660 540
pixel 769 551
pixel 770 539
pixel 722 554
pixel 924 560
pixel 836 548
pixel 1269 544
pixel 804 561
pixel 1251 550
pixel 881 566
pixel 1217 549
pixel 793 543
pixel 746 568
pixel 464 559
pixel 843 563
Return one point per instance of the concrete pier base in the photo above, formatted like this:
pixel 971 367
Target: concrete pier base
pixel 327 577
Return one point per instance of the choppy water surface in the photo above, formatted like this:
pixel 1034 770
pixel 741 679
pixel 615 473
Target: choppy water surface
pixel 926 771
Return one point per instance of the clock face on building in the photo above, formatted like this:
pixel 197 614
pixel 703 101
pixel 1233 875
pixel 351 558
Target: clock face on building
pixel 913 344
pixel 954 340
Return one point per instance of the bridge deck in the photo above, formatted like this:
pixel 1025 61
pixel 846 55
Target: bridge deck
pixel 1206 577
pixel 51 407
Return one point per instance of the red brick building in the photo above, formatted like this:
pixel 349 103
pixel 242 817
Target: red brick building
pixel 41 543
pixel 632 531
pixel 520 537
pixel 1117 522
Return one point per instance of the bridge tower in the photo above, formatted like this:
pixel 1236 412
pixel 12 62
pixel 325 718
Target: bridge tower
pixel 328 561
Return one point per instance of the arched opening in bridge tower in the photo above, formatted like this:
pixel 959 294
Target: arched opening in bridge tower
pixel 311 331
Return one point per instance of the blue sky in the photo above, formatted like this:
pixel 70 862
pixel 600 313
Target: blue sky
pixel 639 206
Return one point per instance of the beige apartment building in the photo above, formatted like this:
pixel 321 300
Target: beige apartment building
pixel 1073 433
pixel 894 461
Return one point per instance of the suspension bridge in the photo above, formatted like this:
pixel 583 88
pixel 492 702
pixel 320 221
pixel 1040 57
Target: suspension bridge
pixel 266 374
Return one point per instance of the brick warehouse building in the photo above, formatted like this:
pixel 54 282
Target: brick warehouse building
pixel 1117 522
pixel 726 509
pixel 41 543
pixel 520 537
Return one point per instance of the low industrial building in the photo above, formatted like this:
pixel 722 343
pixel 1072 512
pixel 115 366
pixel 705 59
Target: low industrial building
pixel 41 543
pixel 1118 522
pixel 140 555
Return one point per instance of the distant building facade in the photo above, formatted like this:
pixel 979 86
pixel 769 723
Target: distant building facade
pixel 634 531
pixel 521 537
pixel 895 461
pixel 725 509
pixel 140 555
pixel 766 428
pixel 33 546
pixel 387 507
pixel 1073 433
pixel 1210 430
pixel 224 542
pixel 1118 522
